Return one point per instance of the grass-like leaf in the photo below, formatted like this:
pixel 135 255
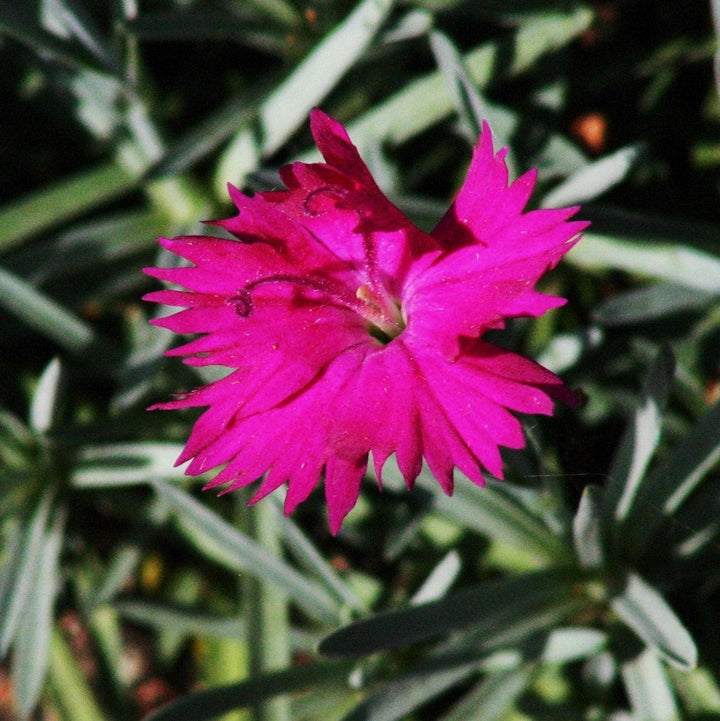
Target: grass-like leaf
pixel 205 705
pixel 650 303
pixel 17 22
pixel 46 403
pixel 61 201
pixel 587 529
pixel 646 612
pixel 70 688
pixel 289 104
pixel 593 180
pixel 639 441
pixel 490 605
pixel 425 101
pixel 47 317
pixel 124 464
pixel 32 642
pixel 233 549
pixel 680 264
pixel 20 573
pixel 674 481
pixel 493 697
pixel 649 690
pixel 300 546
pixel 493 511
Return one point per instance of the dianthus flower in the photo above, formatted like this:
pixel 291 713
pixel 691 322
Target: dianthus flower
pixel 351 331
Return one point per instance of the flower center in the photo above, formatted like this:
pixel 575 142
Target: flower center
pixel 381 312
pixel 374 304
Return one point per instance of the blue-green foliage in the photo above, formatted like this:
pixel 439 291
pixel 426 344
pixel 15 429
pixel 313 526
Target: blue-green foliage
pixel 582 587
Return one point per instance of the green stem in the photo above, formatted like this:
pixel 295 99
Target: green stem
pixel 266 612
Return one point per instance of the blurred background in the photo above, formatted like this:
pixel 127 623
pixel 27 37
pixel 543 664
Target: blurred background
pixel 585 586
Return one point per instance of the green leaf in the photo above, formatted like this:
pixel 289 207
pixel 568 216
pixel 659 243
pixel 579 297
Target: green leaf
pixel 405 693
pixel 205 705
pixel 124 464
pixel 565 645
pixel 69 685
pixel 647 304
pixel 16 22
pixel 471 107
pixel 715 11
pixel 186 621
pixel 698 690
pixel 495 512
pixel 22 569
pixel 672 483
pixel 425 101
pixel 679 264
pixel 639 441
pixel 650 693
pixel 61 201
pixel 289 104
pixel 46 403
pixel 498 604
pixel 439 580
pixel 47 317
pixel 593 179
pixel 234 550
pixel 73 18
pixel 493 697
pixel 32 640
pixel 300 546
pixel 587 531
pixel 645 611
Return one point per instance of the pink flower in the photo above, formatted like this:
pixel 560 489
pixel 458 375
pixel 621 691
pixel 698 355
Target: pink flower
pixel 351 331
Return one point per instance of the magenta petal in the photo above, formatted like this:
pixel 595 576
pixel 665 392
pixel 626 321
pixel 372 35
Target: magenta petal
pixel 347 331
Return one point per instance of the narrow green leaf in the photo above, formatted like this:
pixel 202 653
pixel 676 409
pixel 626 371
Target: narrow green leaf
pixel 587 531
pixel 265 607
pixel 471 107
pixel 698 690
pixel 680 264
pixel 650 693
pixel 66 199
pixel 425 101
pixel 16 21
pixel 32 642
pixel 493 511
pixel 126 464
pixel 46 401
pixel 49 318
pixel 234 550
pixel 565 645
pixel 672 483
pixel 74 18
pixel 698 452
pixel 288 106
pixel 305 552
pixel 715 12
pixel 439 580
pixel 205 705
pixel 593 179
pixel 493 697
pixel 640 439
pixel 404 694
pixel 23 571
pixel 181 620
pixel 645 304
pixel 69 684
pixel 645 611
pixel 497 604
